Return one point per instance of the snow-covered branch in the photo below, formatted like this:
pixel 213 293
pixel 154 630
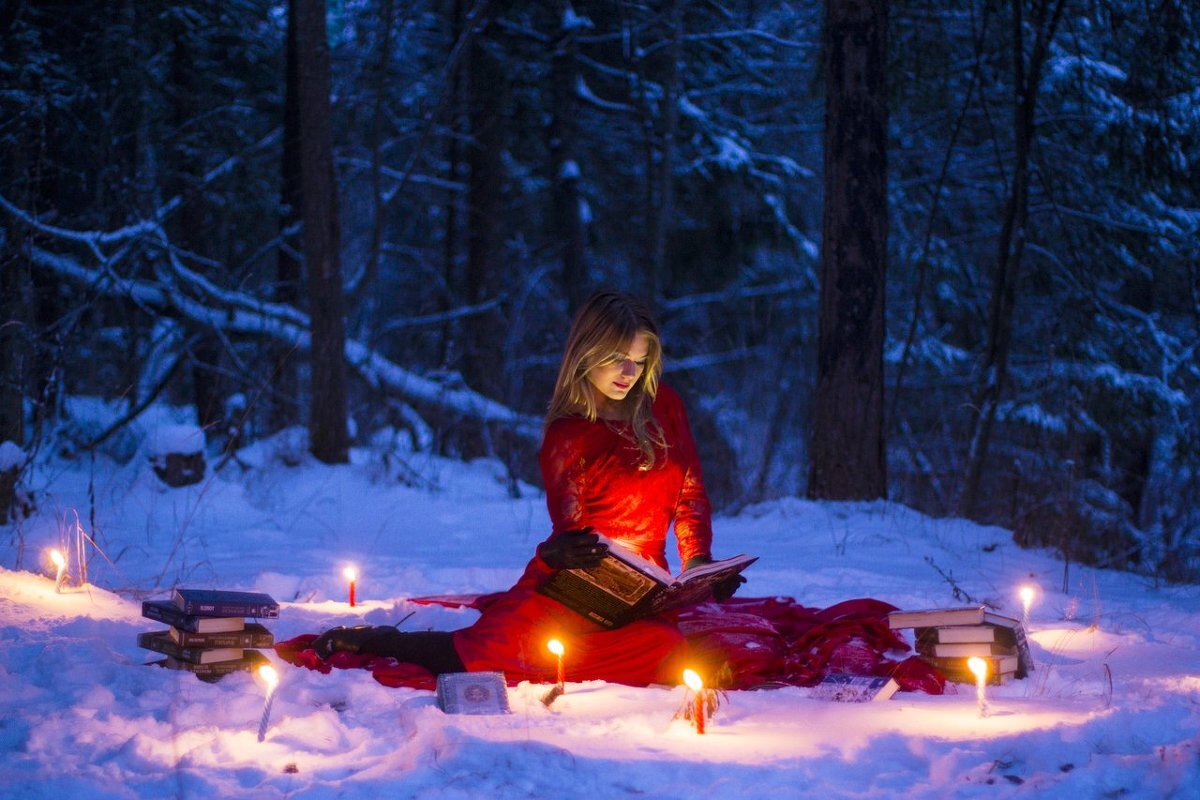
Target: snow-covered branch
pixel 242 314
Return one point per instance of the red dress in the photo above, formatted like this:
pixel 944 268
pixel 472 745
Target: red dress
pixel 592 477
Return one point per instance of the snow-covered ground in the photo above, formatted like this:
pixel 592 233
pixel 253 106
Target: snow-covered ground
pixel 1113 709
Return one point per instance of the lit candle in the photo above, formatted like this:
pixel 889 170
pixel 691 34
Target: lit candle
pixel 61 563
pixel 979 668
pixel 268 674
pixel 1026 595
pixel 692 679
pixel 351 575
pixel 556 647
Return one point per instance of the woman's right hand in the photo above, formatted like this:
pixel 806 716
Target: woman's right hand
pixel 577 549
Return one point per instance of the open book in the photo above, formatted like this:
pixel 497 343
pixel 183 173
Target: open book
pixel 625 587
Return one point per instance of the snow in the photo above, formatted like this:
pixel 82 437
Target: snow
pixel 1113 708
pixel 10 455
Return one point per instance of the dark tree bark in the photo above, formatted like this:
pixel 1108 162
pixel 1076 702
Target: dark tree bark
pixel 848 455
pixel 284 381
pixel 993 372
pixel 486 269
pixel 661 172
pixel 328 437
pixel 568 229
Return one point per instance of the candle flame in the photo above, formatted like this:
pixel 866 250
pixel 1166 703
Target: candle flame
pixel 57 557
pixel 978 667
pixel 351 573
pixel 693 680
pixel 556 647
pixel 268 674
pixel 1026 594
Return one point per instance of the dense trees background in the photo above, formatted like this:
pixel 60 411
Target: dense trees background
pixel 496 159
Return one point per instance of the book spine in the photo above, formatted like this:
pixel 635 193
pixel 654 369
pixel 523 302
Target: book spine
pixel 197 608
pixel 250 639
pixel 167 614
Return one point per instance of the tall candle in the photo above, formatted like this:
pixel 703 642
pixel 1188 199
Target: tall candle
pixel 61 563
pixel 979 668
pixel 1026 595
pixel 556 647
pixel 694 682
pixel 268 674
pixel 351 575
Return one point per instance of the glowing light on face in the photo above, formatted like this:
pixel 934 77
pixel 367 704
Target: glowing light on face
pixel 614 379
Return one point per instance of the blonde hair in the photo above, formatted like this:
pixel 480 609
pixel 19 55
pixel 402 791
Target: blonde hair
pixel 602 329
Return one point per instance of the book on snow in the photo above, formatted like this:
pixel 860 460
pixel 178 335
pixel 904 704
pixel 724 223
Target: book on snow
pixel 967 649
pixel 957 634
pixel 252 636
pixel 223 603
pixel 942 617
pixel 945 620
pixel 472 693
pixel 167 612
pixel 842 688
pixel 625 587
pixel 209 673
pixel 160 642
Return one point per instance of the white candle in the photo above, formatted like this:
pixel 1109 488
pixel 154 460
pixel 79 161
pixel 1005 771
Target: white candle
pixel 1026 595
pixel 61 563
pixel 979 668
pixel 696 684
pixel 268 674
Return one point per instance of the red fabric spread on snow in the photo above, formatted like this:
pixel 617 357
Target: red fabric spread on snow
pixel 763 640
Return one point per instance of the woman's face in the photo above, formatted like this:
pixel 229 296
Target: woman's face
pixel 615 379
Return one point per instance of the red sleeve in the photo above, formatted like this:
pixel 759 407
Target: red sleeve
pixel 693 512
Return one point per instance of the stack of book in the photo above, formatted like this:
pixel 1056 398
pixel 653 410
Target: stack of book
pixel 947 637
pixel 209 634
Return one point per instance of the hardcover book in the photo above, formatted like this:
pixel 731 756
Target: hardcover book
pixel 943 617
pixel 252 636
pixel 853 688
pixel 967 633
pixel 167 612
pixel 160 642
pixel 251 661
pixel 967 649
pixel 472 693
pixel 625 587
pixel 221 603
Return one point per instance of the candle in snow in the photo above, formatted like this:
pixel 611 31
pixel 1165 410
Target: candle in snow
pixel 694 682
pixel 1026 595
pixel 979 669
pixel 556 647
pixel 268 674
pixel 351 575
pixel 61 563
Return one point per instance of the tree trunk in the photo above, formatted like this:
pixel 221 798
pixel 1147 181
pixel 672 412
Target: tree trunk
pixel 328 437
pixel 486 269
pixel 284 381
pixel 1010 247
pixel 662 162
pixel 568 227
pixel 848 456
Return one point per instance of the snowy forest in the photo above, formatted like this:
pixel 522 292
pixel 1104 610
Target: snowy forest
pixel 378 215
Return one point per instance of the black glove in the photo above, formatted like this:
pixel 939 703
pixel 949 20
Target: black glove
pixel 573 550
pixel 722 590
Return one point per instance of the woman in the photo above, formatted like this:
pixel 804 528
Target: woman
pixel 617 457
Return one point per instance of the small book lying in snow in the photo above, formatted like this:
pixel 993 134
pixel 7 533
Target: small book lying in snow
pixel 853 688
pixel 472 693
pixel 625 587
